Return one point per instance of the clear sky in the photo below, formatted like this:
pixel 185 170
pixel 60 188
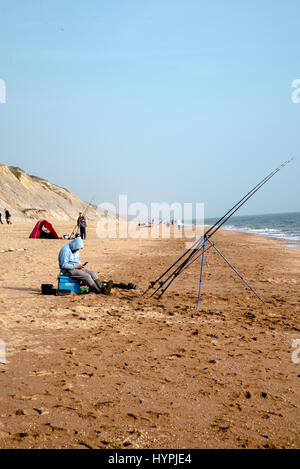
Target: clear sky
pixel 163 100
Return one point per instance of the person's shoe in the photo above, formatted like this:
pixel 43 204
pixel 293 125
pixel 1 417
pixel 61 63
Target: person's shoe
pixel 106 287
pixel 95 288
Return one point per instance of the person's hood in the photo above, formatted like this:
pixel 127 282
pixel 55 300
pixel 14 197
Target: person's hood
pixel 76 243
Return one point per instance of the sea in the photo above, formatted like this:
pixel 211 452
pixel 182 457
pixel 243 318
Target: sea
pixel 284 226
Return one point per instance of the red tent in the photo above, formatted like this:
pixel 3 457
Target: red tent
pixel 36 232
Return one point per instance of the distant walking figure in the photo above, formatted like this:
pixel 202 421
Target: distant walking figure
pixel 7 217
pixel 81 223
pixel 178 223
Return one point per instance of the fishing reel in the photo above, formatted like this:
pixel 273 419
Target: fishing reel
pixel 151 284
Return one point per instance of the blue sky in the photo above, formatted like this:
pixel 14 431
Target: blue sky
pixel 175 101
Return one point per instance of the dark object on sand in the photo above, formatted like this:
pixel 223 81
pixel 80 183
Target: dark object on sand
pixel 198 249
pixel 48 289
pixel 62 292
pixel 125 286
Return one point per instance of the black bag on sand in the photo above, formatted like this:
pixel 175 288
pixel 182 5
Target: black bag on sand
pixel 125 286
pixel 47 289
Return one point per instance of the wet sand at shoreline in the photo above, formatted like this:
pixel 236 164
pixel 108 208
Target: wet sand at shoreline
pixel 126 371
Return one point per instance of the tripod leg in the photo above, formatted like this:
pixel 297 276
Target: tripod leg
pixel 238 274
pixel 201 273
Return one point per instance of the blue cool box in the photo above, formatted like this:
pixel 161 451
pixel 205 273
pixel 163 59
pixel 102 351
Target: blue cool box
pixel 67 283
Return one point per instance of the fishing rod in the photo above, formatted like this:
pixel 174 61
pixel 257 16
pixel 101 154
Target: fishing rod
pixel 218 225
pixel 179 268
pixel 84 213
pixel 153 283
pixel 247 196
pixel 253 191
pixel 186 263
pixel 212 230
pixel 215 227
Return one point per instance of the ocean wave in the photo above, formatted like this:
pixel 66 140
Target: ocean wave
pixel 268 232
pixel 284 226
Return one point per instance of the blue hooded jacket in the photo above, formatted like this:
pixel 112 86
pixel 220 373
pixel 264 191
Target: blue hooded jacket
pixel 67 259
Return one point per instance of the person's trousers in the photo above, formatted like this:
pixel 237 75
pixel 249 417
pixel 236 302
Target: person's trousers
pixel 87 277
pixel 83 232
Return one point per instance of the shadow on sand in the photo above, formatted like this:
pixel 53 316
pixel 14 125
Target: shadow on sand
pixel 34 290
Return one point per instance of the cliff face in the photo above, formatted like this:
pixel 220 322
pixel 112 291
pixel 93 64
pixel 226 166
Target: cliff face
pixel 30 197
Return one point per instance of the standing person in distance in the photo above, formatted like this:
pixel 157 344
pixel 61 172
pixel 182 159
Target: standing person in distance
pixel 81 223
pixel 7 216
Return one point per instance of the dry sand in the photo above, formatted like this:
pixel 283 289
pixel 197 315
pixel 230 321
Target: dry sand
pixel 124 371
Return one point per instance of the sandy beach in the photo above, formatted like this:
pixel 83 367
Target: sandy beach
pixel 125 371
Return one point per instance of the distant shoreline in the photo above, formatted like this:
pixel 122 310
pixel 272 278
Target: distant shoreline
pixel 284 240
pixel 282 226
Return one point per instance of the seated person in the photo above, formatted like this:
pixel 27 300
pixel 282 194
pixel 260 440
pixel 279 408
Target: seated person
pixel 70 264
pixel 44 233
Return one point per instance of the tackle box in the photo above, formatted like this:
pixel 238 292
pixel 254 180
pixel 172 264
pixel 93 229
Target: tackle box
pixel 68 283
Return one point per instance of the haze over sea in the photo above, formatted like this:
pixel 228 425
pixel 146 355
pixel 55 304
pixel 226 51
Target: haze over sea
pixel 285 226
